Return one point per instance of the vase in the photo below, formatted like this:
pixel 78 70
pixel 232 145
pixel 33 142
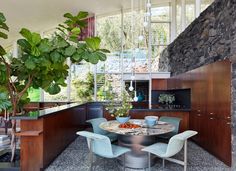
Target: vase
pixel 122 119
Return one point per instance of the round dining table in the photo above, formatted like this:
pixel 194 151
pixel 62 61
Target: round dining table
pixel 136 139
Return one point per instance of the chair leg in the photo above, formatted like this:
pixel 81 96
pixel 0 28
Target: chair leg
pixel 91 156
pixel 149 161
pixel 123 162
pixel 185 155
pixel 163 163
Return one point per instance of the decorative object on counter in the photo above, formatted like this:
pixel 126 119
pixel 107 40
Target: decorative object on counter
pixel 166 99
pixel 151 120
pixel 120 110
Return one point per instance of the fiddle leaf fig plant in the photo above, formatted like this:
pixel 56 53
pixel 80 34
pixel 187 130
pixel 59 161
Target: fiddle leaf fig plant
pixel 43 62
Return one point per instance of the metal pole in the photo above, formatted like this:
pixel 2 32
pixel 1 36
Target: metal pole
pixel 122 50
pixel 150 55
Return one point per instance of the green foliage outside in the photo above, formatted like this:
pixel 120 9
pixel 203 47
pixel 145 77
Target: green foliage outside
pixel 34 94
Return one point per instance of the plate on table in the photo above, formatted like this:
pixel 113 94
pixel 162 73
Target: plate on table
pixel 161 123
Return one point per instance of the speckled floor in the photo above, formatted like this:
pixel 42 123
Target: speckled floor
pixel 75 158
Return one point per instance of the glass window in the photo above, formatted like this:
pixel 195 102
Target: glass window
pixel 82 82
pixel 205 4
pixel 60 97
pixel 160 33
pixel 161 13
pixel 190 8
pixel 178 17
pixel 108 84
pixel 109 29
pixel 34 94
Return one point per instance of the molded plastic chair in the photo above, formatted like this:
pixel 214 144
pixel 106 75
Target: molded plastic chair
pixel 96 129
pixel 172 120
pixel 101 146
pixel 165 151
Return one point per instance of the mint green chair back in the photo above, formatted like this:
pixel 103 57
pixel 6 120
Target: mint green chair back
pixel 101 146
pixel 174 121
pixel 95 124
pixel 175 145
pixel 96 129
pixel 98 144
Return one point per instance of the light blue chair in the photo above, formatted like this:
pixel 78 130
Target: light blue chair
pixel 96 129
pixel 101 146
pixel 165 151
pixel 172 120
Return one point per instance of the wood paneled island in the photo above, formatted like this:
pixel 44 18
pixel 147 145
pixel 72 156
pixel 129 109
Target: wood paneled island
pixel 46 133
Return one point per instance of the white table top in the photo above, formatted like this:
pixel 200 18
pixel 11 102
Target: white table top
pixel 144 130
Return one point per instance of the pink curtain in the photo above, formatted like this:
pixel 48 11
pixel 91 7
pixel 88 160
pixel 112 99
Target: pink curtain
pixel 89 30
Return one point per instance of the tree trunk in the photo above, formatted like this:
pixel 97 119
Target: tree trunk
pixel 13 138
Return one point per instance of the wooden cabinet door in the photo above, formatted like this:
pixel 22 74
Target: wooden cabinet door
pixel 218 138
pixel 196 124
pixel 221 89
pixel 222 144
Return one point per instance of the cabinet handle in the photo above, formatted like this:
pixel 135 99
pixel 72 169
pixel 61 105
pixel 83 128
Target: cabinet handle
pixel 228 123
pixel 211 113
pixel 211 118
pixel 198 114
pixel 199 110
pixel 228 117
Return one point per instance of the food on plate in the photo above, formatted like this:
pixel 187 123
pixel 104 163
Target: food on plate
pixel 129 125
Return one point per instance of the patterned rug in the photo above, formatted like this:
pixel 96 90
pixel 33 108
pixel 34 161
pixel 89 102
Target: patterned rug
pixel 75 158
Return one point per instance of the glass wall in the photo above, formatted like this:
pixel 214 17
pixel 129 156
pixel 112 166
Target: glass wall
pixel 124 44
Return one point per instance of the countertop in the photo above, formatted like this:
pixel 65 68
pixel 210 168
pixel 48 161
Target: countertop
pixel 34 115
pixel 161 109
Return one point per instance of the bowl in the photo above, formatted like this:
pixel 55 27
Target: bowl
pixel 151 120
pixel 122 119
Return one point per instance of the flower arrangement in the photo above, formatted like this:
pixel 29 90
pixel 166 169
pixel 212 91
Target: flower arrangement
pixel 120 109
pixel 166 98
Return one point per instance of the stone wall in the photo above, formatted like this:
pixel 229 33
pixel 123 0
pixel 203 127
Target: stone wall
pixel 209 38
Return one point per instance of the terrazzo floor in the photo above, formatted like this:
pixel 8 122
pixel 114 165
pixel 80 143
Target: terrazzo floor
pixel 75 158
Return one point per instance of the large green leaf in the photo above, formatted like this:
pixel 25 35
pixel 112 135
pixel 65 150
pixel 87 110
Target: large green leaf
pixel 53 89
pixel 35 51
pixel 2 18
pixel 36 38
pixel 45 46
pixel 76 31
pixel 93 58
pixel 4 101
pixel 3 35
pixel 24 44
pixel 4 26
pixel 55 56
pixel 61 43
pixel 29 63
pixel 77 57
pixel 2 51
pixel 68 15
pixel 93 42
pixel 26 34
pixel 102 56
pixel 82 15
pixel 104 50
pixel 70 51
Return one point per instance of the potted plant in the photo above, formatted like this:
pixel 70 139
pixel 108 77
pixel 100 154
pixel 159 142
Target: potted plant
pixel 166 99
pixel 42 63
pixel 120 110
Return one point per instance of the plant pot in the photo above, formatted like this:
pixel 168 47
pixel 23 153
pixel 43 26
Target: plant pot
pixel 122 119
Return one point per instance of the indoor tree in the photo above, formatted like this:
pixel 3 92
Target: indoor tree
pixel 42 63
